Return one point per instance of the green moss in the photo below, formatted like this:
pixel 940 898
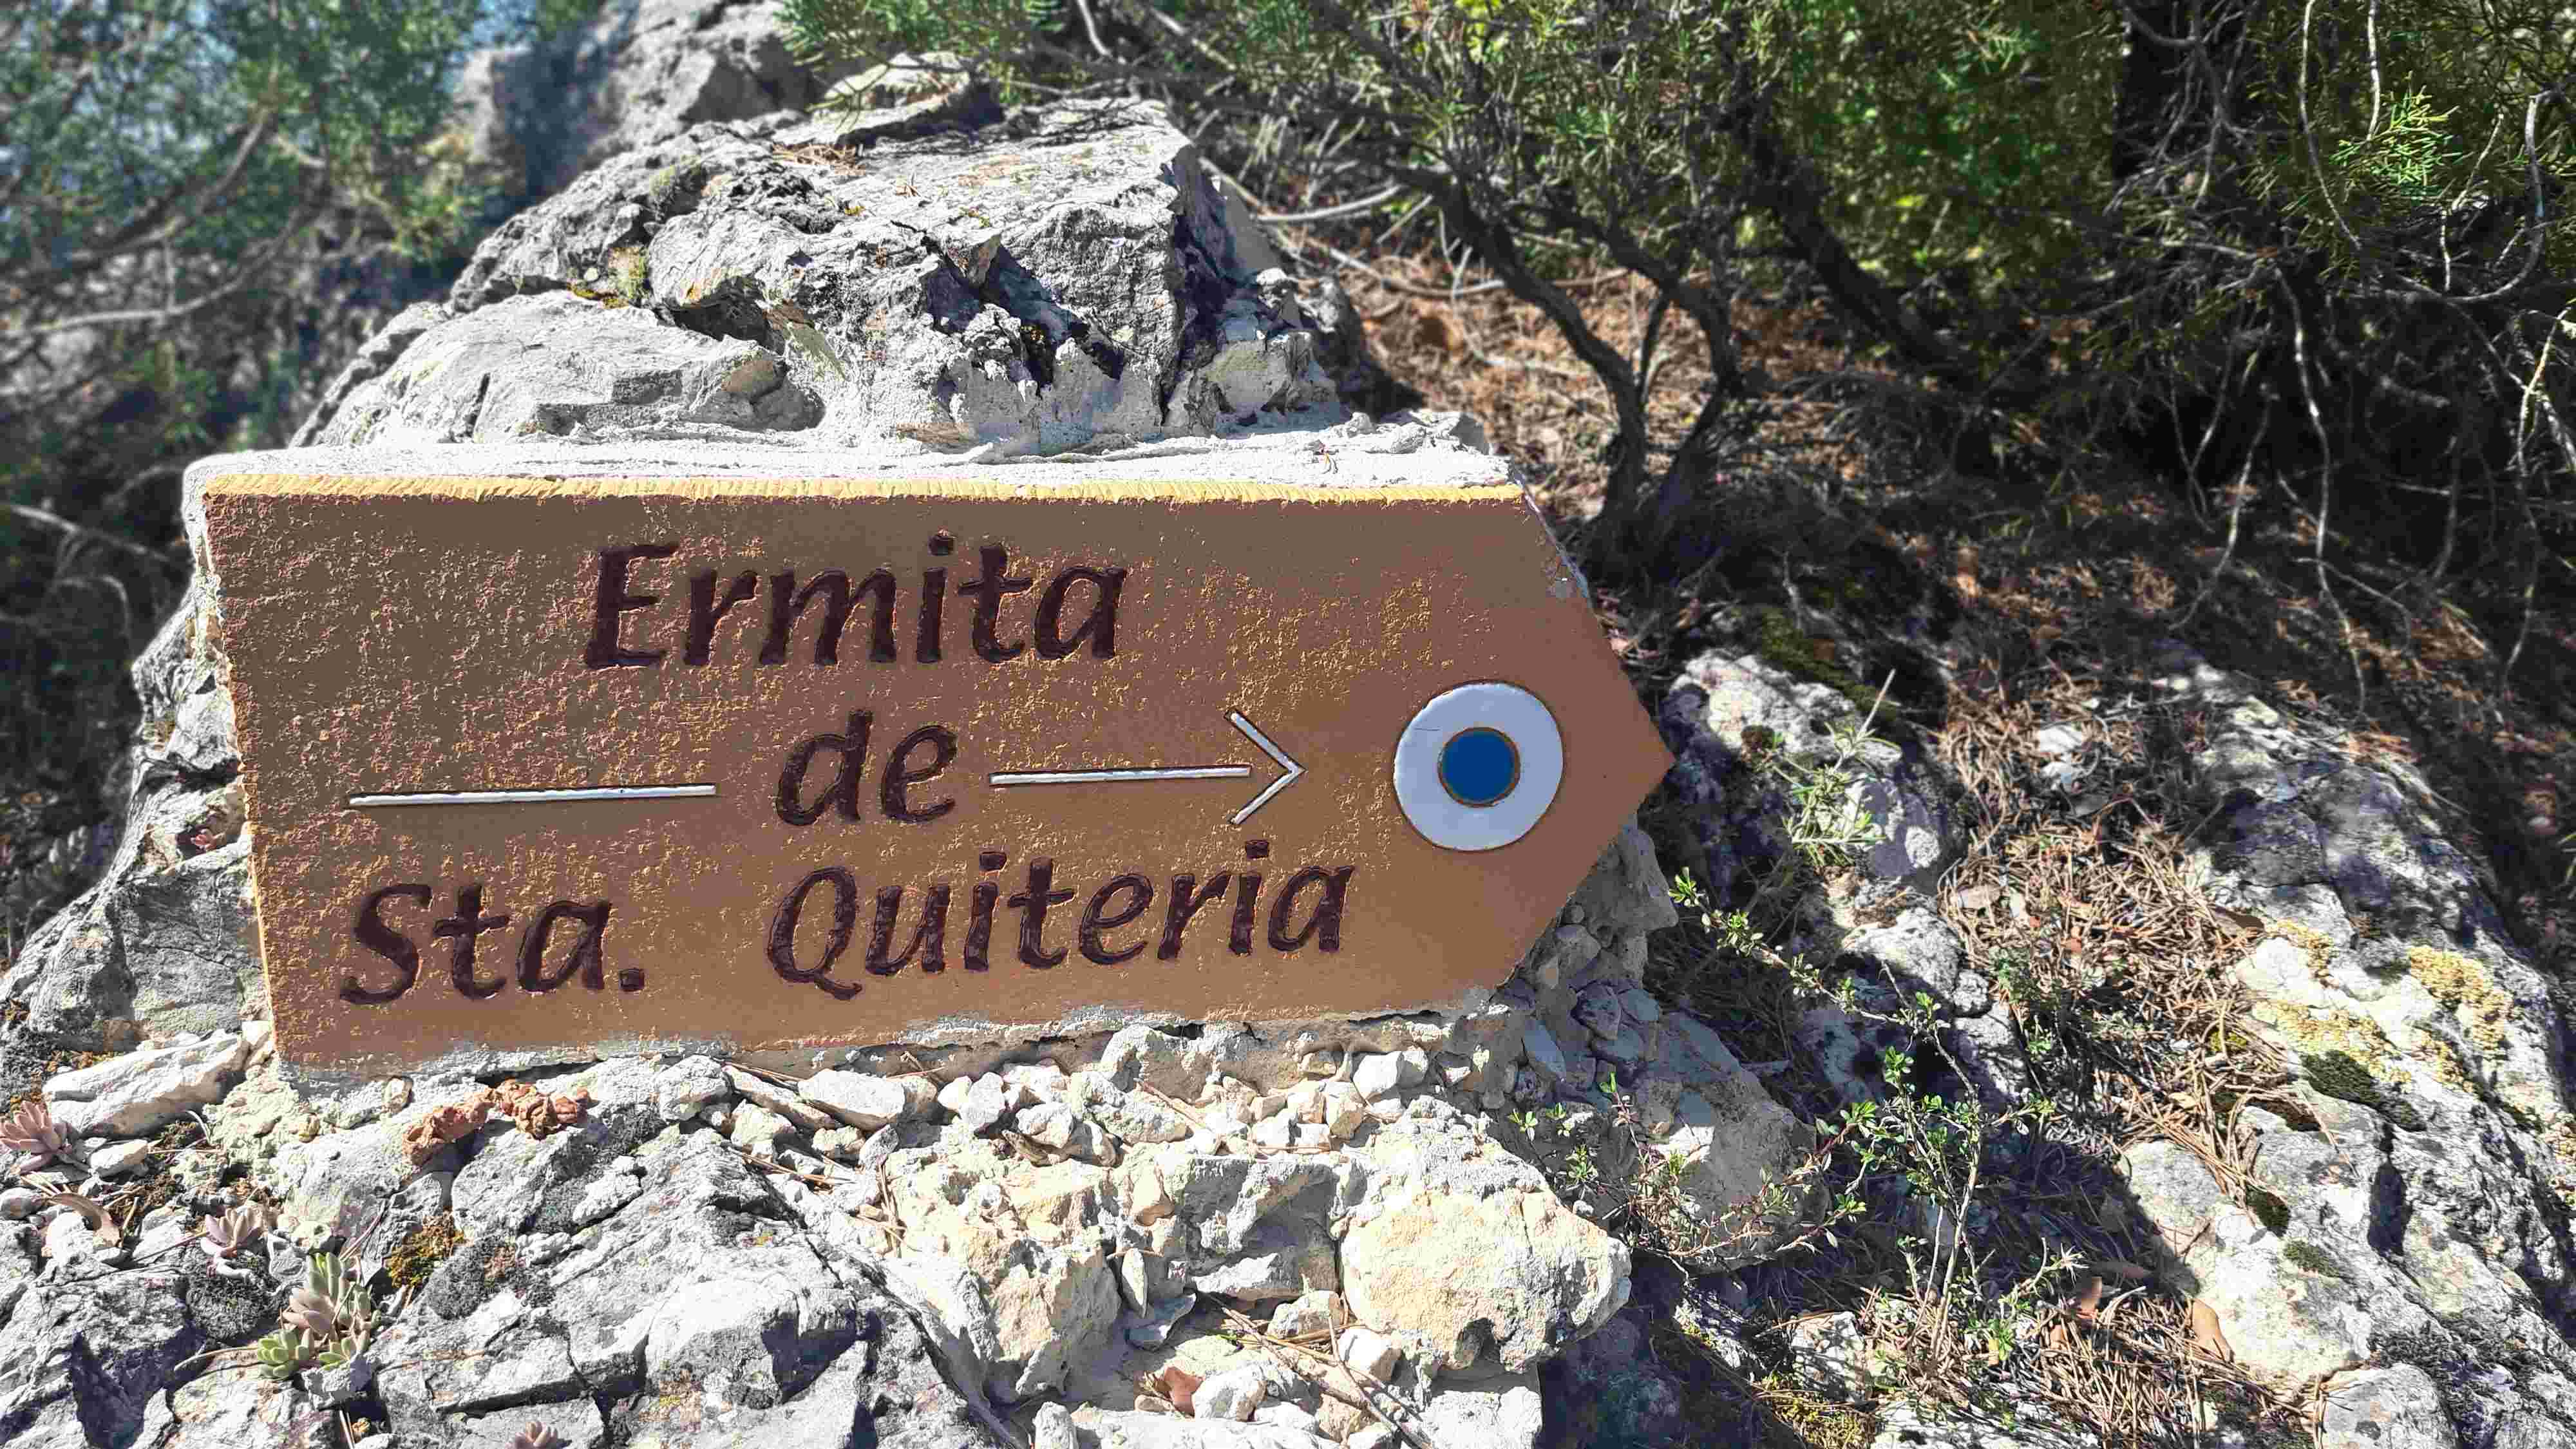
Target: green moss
pixel 634 274
pixel 1782 645
pixel 2268 1209
pixel 2338 1075
pixel 676 187
pixel 2301 1254
pixel 418 1256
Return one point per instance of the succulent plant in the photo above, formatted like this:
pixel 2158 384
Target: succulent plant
pixel 32 1130
pixel 235 1231
pixel 328 1320
pixel 282 1353
pixel 536 1436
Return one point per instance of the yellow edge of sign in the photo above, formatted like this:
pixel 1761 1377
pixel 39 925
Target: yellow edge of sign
pixel 269 485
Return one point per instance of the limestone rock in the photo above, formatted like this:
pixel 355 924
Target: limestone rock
pixel 1074 285
pixel 139 1092
pixel 689 1086
pixel 2385 1408
pixel 558 365
pixel 1501 1412
pixel 1540 1276
pixel 83 1360
pixel 2414 1218
pixel 1039 1258
pixel 867 1102
pixel 533 117
pixel 1102 1429
pixel 700 1299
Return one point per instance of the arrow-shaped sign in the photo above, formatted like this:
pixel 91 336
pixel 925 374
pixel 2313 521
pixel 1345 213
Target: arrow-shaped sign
pixel 1008 778
pixel 744 764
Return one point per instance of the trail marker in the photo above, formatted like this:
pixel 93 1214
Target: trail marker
pixel 537 767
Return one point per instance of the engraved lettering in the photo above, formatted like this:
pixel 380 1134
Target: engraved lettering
pixel 385 941
pixel 988 592
pixel 1032 904
pixel 928 938
pixel 844 790
pixel 585 953
pixel 845 919
pixel 787 604
pixel 1184 903
pixel 612 601
pixel 1324 923
pixel 1247 895
pixel 1097 917
pixel 468 925
pixel 979 919
pixel 900 776
pixel 705 609
pixel 1100 626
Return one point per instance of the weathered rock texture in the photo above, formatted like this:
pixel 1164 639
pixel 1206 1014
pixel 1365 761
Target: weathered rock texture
pixel 533 117
pixel 2413 1214
pixel 934 277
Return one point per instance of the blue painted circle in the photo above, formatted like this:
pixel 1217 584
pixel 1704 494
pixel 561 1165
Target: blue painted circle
pixel 1479 766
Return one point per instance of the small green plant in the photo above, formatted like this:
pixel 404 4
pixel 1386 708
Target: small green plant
pixel 235 1232
pixel 328 1321
pixel 2268 1209
pixel 633 272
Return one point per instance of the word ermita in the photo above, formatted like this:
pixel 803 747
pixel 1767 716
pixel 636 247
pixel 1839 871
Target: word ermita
pixel 615 642
pixel 1116 909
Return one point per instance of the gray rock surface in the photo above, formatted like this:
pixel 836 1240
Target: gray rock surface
pixel 533 117
pixel 2415 1218
pixel 1058 280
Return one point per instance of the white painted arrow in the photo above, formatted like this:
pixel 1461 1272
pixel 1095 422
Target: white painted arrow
pixel 1290 768
pixel 1009 778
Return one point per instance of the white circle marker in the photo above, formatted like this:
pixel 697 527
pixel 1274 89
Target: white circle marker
pixel 1462 788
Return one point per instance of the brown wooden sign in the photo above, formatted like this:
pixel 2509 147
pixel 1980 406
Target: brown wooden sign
pixel 618 764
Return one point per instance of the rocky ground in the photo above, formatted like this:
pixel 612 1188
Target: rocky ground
pixel 2130 1054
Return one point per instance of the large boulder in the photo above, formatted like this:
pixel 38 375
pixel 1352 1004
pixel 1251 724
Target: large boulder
pixel 2406 1203
pixel 1051 280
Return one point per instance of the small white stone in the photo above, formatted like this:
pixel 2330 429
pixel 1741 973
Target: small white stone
pixel 1054 1429
pixel 1414 1064
pixel 19 1202
pixel 863 1101
pixel 1149 1198
pixel 120 1158
pixel 1344 1109
pixel 953 1095
pixel 1233 1394
pixel 1378 1076
pixel 1375 1436
pixel 1135 1281
pixel 1043 1081
pixel 1368 1352
pixel 841 1144
pixel 1314 1136
pixel 1275 1133
pixel 1313 1311
pixel 1285 1416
